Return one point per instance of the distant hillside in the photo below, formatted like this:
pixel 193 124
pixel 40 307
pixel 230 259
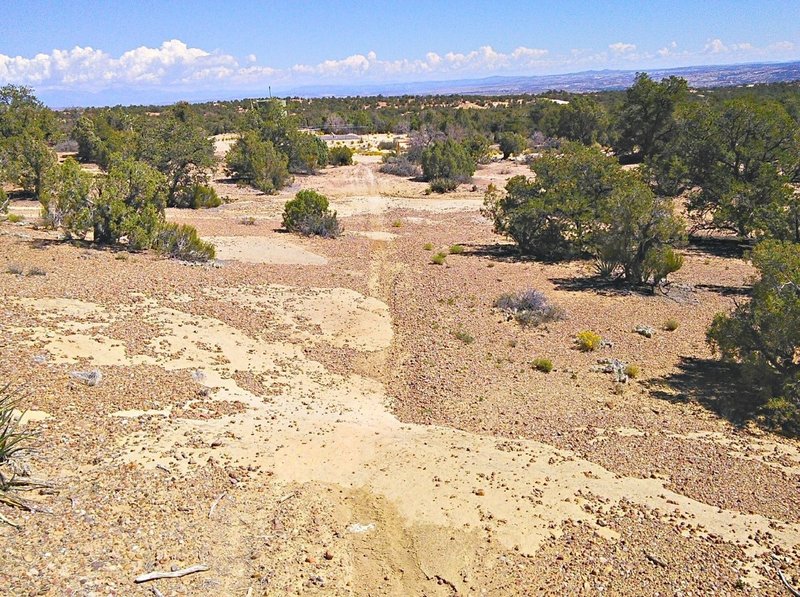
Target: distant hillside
pixel 697 76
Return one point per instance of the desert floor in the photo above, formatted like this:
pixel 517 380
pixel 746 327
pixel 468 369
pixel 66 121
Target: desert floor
pixel 343 417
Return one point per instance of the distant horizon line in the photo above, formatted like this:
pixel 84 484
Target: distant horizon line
pixel 292 92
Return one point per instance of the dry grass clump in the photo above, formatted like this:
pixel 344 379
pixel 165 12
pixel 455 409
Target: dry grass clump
pixel 588 340
pixel 439 258
pixel 543 365
pixel 529 307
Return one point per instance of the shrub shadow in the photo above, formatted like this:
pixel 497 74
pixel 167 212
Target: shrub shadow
pixel 713 384
pixel 507 253
pixel 718 247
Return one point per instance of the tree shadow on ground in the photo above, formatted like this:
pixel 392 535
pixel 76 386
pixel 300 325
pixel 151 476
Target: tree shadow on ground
pixel 42 244
pixel 718 247
pixel 725 290
pixel 600 285
pixel 505 252
pixel 713 384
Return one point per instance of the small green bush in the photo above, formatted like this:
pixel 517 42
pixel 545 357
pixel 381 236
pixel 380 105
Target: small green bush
pixel 181 241
pixel 397 224
pixel 588 340
pixel 543 365
pixel 202 196
pixel 443 185
pixel 340 155
pixel 428 246
pixel 632 371
pixel 782 415
pixel 309 215
pixel 399 166
pixel 388 145
pixel 438 258
pixel 456 250
pixel 464 336
pixel 248 221
pixel 671 325
pixel 14 218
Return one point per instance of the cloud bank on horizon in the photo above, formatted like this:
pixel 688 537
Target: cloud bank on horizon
pixel 176 66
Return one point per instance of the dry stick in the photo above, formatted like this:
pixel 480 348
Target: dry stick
pixel 177 574
pixel 156 592
pixel 655 559
pixel 216 501
pixel 286 497
pixel 786 584
pixel 9 522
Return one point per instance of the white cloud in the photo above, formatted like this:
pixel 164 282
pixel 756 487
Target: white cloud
pixel 622 48
pixel 716 46
pixel 174 65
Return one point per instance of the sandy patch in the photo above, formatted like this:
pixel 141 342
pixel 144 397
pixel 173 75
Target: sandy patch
pixel 30 416
pixel 317 426
pixel 375 235
pixel 261 249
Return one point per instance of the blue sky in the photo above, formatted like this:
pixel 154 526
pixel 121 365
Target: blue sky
pixel 203 48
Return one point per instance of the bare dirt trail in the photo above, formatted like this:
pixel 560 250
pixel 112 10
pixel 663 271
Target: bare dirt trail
pixel 316 427
pixel 282 419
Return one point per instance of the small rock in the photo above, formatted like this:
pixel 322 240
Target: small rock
pixel 90 378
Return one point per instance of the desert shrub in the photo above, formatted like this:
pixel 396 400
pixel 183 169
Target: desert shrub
pixel 581 201
pixel 529 307
pixel 397 224
pixel 129 205
pixel 257 163
pixel 588 340
pixel 464 336
pixel 671 325
pixel 447 160
pixel 512 143
pixel 197 196
pixel 14 218
pixel 181 241
pixel 36 271
pixel 341 155
pixel 15 269
pixel 632 370
pixel 66 203
pixel 456 249
pixel 400 166
pixel 388 145
pixel 308 214
pixel 782 414
pixel 12 440
pixel 307 152
pixel 479 148
pixel 442 185
pixel 763 335
pixel 439 258
pixel 248 221
pixel 543 365
pixel 428 246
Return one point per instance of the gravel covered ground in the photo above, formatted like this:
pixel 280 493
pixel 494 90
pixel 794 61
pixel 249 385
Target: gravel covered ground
pixel 251 419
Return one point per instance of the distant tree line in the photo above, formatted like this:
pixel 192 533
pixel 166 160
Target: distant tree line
pixel 146 166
